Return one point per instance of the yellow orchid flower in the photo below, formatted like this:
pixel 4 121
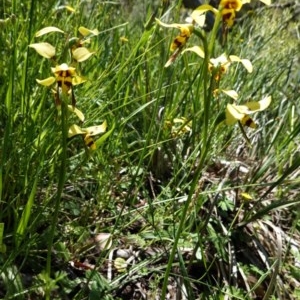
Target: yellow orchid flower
pixel 220 64
pixel 180 41
pixel 185 32
pixel 179 126
pixel 240 113
pixel 236 5
pixel 228 16
pixel 88 133
pixel 228 9
pixel 65 77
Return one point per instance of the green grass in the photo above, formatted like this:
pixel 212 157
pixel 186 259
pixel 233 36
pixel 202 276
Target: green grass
pixel 167 192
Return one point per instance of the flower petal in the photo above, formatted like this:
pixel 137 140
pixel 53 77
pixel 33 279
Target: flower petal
pixel 89 142
pixel 260 105
pixel 231 93
pixel 48 30
pixel 246 196
pixel 231 4
pixel 220 60
pixel 232 114
pixel 75 130
pixel 199 17
pixel 81 54
pixel 173 25
pixel 243 109
pixel 246 62
pixel 95 130
pixel 85 31
pixel 267 2
pixel 63 67
pixel 196 49
pixel 76 80
pixel 44 49
pixel 77 112
pixel 69 8
pixel 202 9
pixel 124 39
pixel 46 82
pixel 247 121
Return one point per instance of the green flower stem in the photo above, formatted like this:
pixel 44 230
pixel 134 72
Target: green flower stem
pixel 60 187
pixel 181 224
pixel 206 102
pixel 205 144
pixel 214 33
pixel 208 92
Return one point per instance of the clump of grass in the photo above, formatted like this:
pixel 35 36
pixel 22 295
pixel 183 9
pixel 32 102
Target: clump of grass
pixel 178 196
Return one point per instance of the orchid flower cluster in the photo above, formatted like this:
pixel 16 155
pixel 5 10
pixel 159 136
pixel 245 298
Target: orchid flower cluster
pixel 65 77
pixel 218 67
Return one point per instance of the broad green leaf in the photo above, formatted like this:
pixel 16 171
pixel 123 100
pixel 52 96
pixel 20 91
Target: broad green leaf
pixel 44 49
